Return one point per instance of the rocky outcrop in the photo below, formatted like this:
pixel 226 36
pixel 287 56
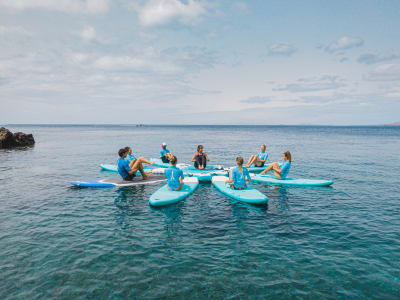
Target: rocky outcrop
pixel 18 139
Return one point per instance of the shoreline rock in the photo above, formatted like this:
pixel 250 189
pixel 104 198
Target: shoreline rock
pixel 19 139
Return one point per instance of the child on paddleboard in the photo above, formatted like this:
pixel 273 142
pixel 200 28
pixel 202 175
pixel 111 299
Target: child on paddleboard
pixel 282 171
pixel 127 169
pixel 174 175
pixel 239 175
pixel 260 159
pixel 200 158
pixel 165 154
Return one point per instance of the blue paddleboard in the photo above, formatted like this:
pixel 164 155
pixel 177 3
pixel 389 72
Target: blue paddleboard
pixel 164 196
pixel 270 179
pixel 248 195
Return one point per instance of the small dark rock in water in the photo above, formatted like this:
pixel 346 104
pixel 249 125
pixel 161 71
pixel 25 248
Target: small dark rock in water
pixel 18 139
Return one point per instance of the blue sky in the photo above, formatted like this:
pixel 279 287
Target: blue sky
pixel 199 62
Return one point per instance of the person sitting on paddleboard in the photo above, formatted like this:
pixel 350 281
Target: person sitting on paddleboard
pixel 239 175
pixel 129 155
pixel 200 158
pixel 282 171
pixel 174 175
pixel 260 159
pixel 165 154
pixel 128 170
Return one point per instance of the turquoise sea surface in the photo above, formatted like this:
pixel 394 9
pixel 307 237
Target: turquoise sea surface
pixel 57 241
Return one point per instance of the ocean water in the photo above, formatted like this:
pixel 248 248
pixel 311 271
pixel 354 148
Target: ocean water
pixel 342 242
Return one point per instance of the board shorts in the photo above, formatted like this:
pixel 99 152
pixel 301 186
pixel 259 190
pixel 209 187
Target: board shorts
pixel 201 160
pixel 259 164
pixel 129 177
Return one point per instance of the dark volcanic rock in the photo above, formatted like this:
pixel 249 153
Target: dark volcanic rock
pixel 19 139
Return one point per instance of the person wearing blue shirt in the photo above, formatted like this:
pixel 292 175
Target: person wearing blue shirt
pixel 282 171
pixel 127 169
pixel 165 154
pixel 239 175
pixel 260 159
pixel 174 176
pixel 129 156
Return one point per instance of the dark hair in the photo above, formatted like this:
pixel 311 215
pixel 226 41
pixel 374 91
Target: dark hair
pixel 121 152
pixel 288 156
pixel 198 147
pixel 127 148
pixel 239 160
pixel 173 160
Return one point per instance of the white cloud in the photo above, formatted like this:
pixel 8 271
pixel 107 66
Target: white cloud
pixel 281 49
pixel 344 43
pixel 313 84
pixel 387 72
pixel 88 34
pixel 370 58
pixel 256 100
pixel 75 6
pixel 158 12
pixel 14 30
pixel 132 63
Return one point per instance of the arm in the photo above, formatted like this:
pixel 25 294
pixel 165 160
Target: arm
pixel 248 178
pixel 181 181
pixel 230 180
pixel 194 157
pixel 207 157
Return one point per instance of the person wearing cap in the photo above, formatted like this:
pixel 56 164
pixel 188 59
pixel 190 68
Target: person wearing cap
pixel 165 154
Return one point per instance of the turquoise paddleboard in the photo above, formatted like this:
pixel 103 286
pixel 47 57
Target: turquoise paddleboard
pixel 207 168
pixel 164 196
pixel 270 179
pixel 248 195
pixel 159 163
pixel 204 176
pixel 114 168
pixel 257 170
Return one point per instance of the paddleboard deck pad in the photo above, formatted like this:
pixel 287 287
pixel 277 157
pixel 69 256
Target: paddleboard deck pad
pixel 164 196
pixel 268 179
pixel 248 195
pixel 106 183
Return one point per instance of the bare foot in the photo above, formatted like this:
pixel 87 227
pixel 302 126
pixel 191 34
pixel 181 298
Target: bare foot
pixel 146 175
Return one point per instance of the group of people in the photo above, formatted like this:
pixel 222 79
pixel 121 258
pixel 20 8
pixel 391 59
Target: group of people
pixel 128 165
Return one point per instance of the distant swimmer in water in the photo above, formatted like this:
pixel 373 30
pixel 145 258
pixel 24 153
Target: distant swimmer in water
pixel 127 169
pixel 239 175
pixel 174 176
pixel 260 159
pixel 165 154
pixel 200 158
pixel 282 171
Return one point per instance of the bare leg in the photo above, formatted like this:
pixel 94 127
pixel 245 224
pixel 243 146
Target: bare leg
pixel 132 163
pixel 139 166
pixel 251 160
pixel 144 160
pixel 277 175
pixel 274 166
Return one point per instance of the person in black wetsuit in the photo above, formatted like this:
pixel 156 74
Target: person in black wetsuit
pixel 200 158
